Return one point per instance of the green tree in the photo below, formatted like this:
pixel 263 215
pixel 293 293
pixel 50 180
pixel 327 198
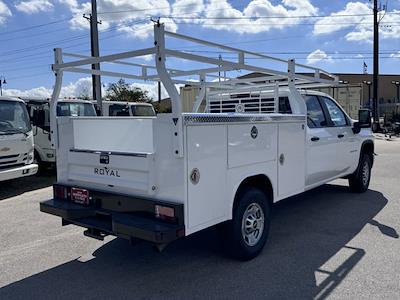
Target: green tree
pixel 122 91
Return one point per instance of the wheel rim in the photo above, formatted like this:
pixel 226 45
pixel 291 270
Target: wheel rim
pixel 365 173
pixel 253 224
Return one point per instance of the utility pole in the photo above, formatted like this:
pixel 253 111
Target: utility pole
pixel 159 91
pixel 376 66
pixel 94 44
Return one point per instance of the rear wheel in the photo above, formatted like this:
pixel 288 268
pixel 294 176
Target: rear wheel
pixel 359 180
pixel 246 234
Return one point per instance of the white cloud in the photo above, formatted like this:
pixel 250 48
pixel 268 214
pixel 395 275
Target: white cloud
pixel 395 55
pixel 188 8
pixel 215 11
pixel 82 86
pixel 333 23
pixel 40 92
pixel 73 89
pixel 318 55
pixel 4 12
pixel 34 6
pixel 358 21
pixel 126 14
pixel 143 31
pixel 246 21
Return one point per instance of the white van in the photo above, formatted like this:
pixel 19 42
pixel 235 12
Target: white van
pixel 16 140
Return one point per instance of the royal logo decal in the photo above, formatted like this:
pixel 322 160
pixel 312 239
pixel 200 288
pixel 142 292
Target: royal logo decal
pixel 106 172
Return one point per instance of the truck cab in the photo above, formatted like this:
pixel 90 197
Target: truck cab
pixel 38 109
pixel 16 140
pixel 127 109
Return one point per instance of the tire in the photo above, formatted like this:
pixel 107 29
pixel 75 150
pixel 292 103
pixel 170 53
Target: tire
pixel 246 234
pixel 359 180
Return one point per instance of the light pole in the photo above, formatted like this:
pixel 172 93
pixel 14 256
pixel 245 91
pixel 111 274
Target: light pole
pixel 369 83
pixel 397 84
pixel 2 81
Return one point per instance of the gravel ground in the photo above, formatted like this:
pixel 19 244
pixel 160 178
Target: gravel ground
pixel 326 243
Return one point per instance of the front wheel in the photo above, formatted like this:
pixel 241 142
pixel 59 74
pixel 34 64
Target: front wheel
pixel 246 234
pixel 359 180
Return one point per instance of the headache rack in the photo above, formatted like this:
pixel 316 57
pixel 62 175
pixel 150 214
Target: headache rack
pixel 216 78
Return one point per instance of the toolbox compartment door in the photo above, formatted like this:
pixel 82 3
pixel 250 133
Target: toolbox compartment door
pixel 206 155
pixel 291 159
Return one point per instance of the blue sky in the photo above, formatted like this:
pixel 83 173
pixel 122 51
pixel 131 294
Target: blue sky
pixel 304 29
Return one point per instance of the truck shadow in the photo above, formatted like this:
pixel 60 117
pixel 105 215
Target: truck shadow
pixel 307 231
pixel 15 187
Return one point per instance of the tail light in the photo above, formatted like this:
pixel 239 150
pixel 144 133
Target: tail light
pixel 60 192
pixel 165 213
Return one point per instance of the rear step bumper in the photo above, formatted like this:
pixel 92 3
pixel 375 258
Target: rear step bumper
pixel 101 222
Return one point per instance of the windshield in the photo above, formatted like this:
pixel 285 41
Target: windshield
pixel 66 109
pixel 143 110
pixel 13 117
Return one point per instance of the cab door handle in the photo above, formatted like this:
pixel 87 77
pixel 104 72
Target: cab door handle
pixel 315 139
pixel 340 136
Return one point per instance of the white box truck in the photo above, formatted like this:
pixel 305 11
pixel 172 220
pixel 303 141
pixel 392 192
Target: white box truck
pixel 259 140
pixel 127 109
pixel 16 140
pixel 39 112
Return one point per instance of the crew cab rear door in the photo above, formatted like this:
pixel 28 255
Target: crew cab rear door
pixel 346 143
pixel 321 149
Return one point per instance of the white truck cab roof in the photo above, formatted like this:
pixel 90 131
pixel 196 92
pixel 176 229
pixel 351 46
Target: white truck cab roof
pixel 46 100
pixel 10 98
pixel 126 103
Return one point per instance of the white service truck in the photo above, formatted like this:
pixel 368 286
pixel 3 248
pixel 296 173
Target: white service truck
pixel 127 109
pixel 39 112
pixel 258 141
pixel 16 140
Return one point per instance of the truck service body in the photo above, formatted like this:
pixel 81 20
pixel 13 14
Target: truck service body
pixel 16 140
pixel 160 178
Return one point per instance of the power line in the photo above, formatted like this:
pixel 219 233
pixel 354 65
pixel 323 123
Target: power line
pixel 63 41
pixel 33 35
pixel 290 52
pixel 267 17
pixel 35 26
pixel 27 76
pixel 391 24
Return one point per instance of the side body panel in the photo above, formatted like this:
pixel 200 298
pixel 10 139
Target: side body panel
pixel 228 153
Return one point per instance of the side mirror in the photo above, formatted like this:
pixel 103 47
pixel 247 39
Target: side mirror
pixel 38 118
pixel 364 120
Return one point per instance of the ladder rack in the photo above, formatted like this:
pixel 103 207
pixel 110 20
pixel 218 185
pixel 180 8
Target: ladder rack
pixel 209 80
